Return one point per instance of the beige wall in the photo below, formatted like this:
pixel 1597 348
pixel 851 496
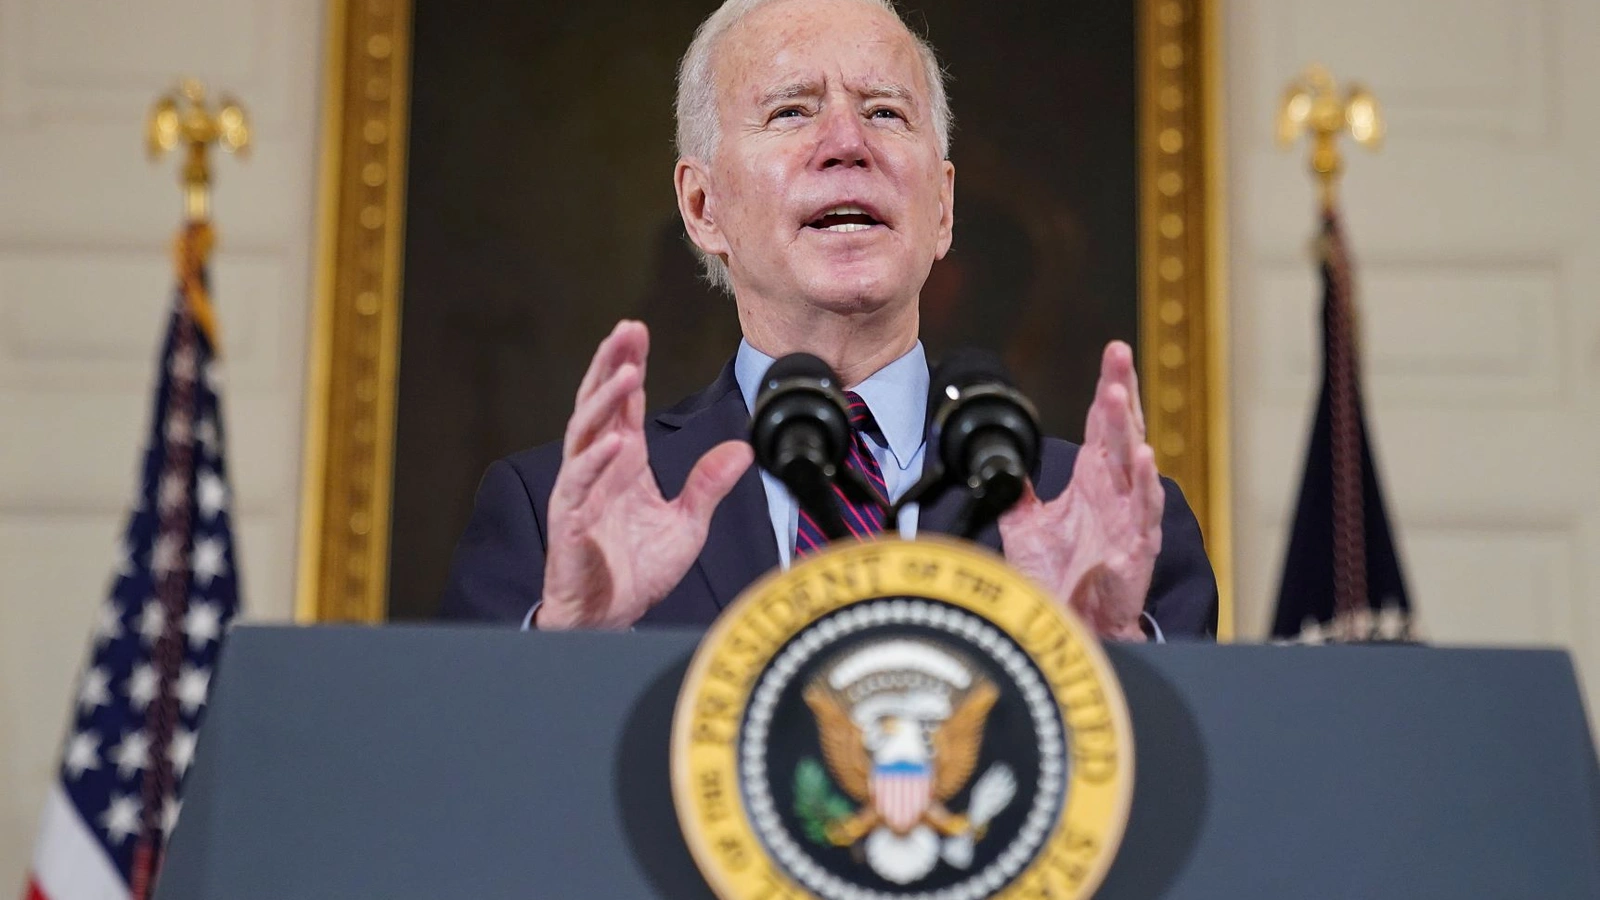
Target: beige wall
pixel 1477 240
pixel 85 280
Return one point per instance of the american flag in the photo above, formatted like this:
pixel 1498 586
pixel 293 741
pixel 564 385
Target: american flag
pixel 155 644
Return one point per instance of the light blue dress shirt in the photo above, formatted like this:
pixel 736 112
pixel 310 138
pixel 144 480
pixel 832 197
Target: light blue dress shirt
pixel 897 396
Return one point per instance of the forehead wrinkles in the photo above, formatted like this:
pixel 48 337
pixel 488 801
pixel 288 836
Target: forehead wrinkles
pixel 800 87
pixel 781 47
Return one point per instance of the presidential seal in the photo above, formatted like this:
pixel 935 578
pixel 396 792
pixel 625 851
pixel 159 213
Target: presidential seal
pixel 901 719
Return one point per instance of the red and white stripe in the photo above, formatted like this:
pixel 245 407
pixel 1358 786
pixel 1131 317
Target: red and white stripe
pixel 901 797
pixel 68 861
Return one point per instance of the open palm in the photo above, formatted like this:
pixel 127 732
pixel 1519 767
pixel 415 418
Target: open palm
pixel 616 545
pixel 1094 547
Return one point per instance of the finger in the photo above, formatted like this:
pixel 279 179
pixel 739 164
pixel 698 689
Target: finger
pixel 1117 368
pixel 712 478
pixel 633 340
pixel 580 473
pixel 1120 440
pixel 1119 360
pixel 1116 363
pixel 1150 497
pixel 601 365
pixel 597 411
pixel 620 346
pixel 1094 426
pixel 639 354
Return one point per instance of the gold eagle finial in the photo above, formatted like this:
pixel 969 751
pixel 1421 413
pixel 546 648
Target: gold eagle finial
pixel 183 118
pixel 1313 105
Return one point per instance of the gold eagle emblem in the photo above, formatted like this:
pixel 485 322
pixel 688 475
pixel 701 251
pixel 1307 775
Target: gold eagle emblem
pixel 951 752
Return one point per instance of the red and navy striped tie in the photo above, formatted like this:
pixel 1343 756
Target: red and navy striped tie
pixel 863 521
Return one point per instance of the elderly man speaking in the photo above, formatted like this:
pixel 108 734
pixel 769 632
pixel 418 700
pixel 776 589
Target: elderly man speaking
pixel 813 178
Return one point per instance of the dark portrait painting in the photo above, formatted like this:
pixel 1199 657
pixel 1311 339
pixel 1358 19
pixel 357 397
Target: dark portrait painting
pixel 540 210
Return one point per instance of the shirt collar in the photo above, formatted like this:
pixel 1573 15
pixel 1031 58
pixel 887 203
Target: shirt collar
pixel 897 395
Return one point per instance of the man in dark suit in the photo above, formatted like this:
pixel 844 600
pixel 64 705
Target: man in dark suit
pixel 813 178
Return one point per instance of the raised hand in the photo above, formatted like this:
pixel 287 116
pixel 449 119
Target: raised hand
pixel 616 546
pixel 1095 546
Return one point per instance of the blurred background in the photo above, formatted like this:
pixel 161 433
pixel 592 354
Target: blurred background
pixel 1475 230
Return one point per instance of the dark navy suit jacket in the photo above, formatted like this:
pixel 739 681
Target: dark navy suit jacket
pixel 498 570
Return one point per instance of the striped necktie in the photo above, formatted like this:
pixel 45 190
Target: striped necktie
pixel 863 521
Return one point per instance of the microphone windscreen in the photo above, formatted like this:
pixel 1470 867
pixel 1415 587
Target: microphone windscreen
pixel 798 365
pixel 963 368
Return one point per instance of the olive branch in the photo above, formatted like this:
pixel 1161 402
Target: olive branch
pixel 816 802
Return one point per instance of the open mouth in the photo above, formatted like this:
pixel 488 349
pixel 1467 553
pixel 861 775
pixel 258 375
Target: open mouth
pixel 844 219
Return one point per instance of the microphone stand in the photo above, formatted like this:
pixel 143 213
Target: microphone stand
pixel 979 509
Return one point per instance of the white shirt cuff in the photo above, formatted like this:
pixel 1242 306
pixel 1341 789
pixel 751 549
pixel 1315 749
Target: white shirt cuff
pixel 1155 638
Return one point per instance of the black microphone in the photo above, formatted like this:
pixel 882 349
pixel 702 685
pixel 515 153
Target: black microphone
pixel 983 436
pixel 800 429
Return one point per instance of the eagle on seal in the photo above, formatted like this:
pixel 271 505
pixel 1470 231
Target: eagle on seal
pixel 902 756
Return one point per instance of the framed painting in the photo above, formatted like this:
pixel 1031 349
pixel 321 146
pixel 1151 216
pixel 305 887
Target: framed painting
pixel 497 193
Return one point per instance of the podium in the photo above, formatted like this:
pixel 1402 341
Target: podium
pixel 428 762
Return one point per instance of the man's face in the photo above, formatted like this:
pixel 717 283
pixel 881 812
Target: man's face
pixel 828 188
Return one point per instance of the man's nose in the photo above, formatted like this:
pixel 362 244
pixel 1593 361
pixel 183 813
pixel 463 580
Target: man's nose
pixel 844 139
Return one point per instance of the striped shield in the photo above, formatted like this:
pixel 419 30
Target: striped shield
pixel 901 792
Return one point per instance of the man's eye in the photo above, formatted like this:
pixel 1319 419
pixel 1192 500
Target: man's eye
pixel 788 112
pixel 883 112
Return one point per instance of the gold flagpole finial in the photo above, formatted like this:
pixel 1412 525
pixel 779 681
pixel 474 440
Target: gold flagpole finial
pixel 182 117
pixel 1314 105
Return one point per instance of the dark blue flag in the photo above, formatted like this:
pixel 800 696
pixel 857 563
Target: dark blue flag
pixel 1342 574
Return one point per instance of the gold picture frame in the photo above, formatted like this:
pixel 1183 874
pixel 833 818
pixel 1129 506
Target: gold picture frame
pixel 348 461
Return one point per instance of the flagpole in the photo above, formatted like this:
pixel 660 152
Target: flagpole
pixel 180 120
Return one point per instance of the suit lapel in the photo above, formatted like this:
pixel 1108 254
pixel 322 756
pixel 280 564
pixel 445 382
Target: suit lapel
pixel 740 546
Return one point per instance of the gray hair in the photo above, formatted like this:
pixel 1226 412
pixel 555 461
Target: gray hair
pixel 698 123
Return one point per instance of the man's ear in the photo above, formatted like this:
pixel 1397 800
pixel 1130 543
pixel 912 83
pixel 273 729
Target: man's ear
pixel 947 210
pixel 692 183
